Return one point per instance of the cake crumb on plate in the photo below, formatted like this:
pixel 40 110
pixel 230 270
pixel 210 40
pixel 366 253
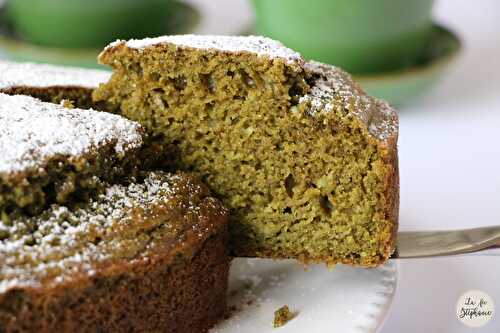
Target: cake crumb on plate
pixel 282 316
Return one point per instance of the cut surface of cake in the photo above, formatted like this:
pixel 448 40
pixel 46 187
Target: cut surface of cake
pixel 304 159
pixel 51 83
pixel 50 153
pixel 150 256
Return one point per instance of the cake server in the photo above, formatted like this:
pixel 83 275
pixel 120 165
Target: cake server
pixel 421 244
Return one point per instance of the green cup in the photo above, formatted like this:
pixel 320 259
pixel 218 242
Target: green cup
pixel 362 36
pixel 86 23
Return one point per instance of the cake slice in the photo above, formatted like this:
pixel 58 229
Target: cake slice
pixel 51 83
pixel 52 154
pixel 146 257
pixel 304 159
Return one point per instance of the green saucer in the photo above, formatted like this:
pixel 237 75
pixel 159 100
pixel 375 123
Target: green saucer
pixel 399 87
pixel 182 19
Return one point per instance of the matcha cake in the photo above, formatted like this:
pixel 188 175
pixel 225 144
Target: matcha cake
pixel 150 256
pixel 304 159
pixel 51 83
pixel 53 154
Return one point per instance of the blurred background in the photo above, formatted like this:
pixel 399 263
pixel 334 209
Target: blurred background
pixel 393 47
pixel 436 60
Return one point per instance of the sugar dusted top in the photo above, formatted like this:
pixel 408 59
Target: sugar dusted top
pixel 335 88
pixel 261 46
pixel 32 132
pixel 13 74
pixel 127 222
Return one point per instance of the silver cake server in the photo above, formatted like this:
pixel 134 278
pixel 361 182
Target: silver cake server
pixel 421 244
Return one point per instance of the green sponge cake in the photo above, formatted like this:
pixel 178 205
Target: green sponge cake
pixel 304 159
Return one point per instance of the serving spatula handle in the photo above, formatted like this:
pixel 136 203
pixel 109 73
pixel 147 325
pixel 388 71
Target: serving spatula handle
pixel 421 244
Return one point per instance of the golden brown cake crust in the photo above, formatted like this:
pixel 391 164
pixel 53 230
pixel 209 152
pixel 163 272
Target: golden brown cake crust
pixel 153 296
pixel 392 195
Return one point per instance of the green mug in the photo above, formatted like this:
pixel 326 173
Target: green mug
pixel 86 23
pixel 362 36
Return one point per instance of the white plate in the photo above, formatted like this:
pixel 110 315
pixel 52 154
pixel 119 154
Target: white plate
pixel 343 299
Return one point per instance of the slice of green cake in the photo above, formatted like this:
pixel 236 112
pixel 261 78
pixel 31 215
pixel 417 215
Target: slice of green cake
pixel 304 159
pixel 52 154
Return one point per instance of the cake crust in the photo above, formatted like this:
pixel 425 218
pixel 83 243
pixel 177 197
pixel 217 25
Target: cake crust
pixel 255 45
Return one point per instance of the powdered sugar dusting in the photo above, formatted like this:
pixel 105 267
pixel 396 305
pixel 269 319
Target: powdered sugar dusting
pixel 45 76
pixel 261 46
pixel 31 132
pixel 335 88
pixel 61 242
